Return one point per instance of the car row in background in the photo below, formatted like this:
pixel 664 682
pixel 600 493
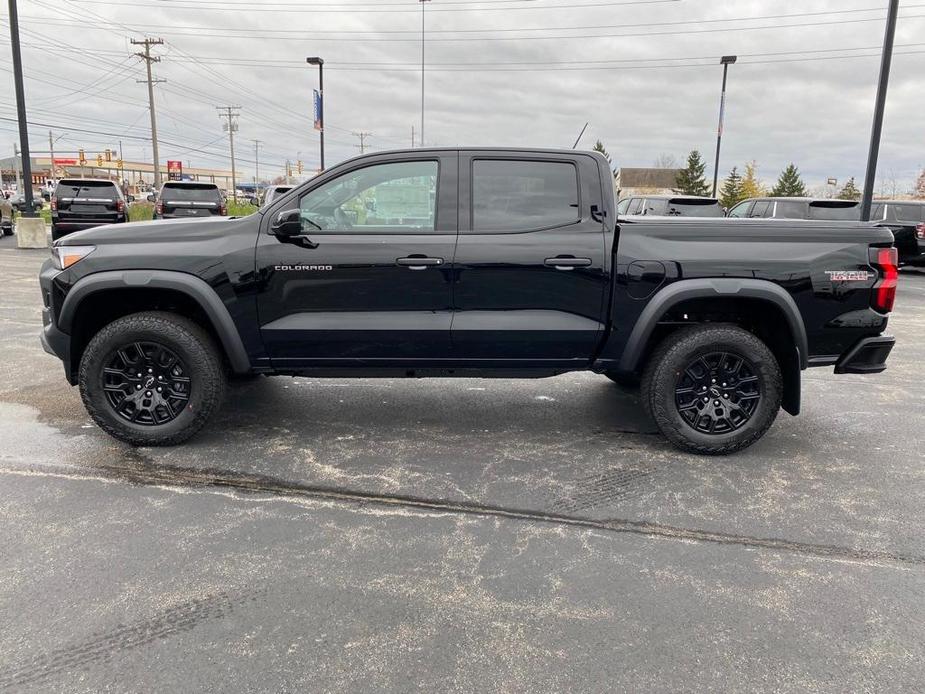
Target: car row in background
pixel 182 199
pixel 905 218
pixel 84 203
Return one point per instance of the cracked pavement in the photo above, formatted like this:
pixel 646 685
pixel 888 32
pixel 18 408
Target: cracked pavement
pixel 458 534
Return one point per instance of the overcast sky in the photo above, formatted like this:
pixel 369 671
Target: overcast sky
pixel 644 74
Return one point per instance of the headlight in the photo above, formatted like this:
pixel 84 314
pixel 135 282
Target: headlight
pixel 65 256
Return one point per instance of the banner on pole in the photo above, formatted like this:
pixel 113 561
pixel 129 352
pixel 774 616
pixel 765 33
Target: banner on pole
pixel 317 108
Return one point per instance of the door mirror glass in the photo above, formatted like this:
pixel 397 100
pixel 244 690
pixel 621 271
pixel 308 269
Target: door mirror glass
pixel 288 223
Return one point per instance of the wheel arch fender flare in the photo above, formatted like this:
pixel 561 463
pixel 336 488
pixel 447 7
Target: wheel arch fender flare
pixel 723 287
pixel 194 287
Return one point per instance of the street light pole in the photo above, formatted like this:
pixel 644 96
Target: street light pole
pixel 315 60
pixel 877 128
pixel 725 61
pixel 421 135
pixel 28 210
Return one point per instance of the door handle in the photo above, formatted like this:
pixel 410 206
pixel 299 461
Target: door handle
pixel 418 262
pixel 566 262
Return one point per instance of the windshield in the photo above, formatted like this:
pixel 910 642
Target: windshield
pixel 204 193
pixel 835 210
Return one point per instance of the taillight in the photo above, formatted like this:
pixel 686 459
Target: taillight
pixel 222 210
pixel 120 206
pixel 920 231
pixel 883 293
pixel 159 207
pixel 54 203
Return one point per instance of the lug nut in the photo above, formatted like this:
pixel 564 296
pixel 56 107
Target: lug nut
pixel 150 370
pixel 716 402
pixel 137 387
pixel 706 399
pixel 726 395
pixel 159 390
pixel 714 380
pixel 147 393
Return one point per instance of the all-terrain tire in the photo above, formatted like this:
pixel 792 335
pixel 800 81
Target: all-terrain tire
pixel 667 366
pixel 196 351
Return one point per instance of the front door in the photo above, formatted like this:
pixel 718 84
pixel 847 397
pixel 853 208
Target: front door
pixel 531 263
pixel 369 278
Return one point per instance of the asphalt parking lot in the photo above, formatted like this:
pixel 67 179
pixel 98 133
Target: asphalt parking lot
pixel 459 535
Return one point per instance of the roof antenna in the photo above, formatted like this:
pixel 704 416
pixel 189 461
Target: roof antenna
pixel 579 136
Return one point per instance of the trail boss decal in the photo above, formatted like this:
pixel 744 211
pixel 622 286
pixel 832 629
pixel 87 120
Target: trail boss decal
pixel 302 268
pixel 849 275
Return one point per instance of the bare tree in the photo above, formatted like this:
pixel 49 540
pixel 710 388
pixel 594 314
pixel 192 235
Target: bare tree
pixel 666 161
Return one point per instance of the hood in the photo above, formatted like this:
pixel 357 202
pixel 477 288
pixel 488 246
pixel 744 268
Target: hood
pixel 162 230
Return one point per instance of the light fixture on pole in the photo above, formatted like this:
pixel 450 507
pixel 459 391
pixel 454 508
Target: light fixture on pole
pixel 319 102
pixel 725 61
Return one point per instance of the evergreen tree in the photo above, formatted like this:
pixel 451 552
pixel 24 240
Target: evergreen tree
pixel 789 185
pixel 849 191
pixel 751 186
pixel 599 147
pixel 919 192
pixel 731 192
pixel 690 180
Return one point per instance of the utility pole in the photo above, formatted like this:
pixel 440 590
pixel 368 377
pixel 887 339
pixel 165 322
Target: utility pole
pixel 362 146
pixel 231 125
pixel 412 136
pixel 29 210
pixel 256 162
pixel 51 150
pixel 877 128
pixel 148 58
pixel 421 135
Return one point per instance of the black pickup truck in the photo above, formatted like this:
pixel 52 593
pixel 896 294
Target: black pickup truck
pixel 467 262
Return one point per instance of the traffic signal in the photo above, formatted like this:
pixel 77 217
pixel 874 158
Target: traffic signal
pixel 108 155
pixel 299 166
pixel 99 160
pixel 119 163
pixel 288 169
pixel 81 157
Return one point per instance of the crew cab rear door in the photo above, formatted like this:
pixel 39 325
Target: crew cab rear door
pixel 531 265
pixel 369 278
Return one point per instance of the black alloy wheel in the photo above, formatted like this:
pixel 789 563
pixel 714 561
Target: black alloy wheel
pixel 146 383
pixel 718 392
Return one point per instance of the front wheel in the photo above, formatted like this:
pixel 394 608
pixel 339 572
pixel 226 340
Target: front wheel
pixel 151 379
pixel 713 389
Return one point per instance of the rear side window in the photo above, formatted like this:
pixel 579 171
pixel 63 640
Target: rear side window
pixel 656 207
pixel 790 210
pixel 523 195
pixel 694 208
pixel 193 193
pixel 622 205
pixel 905 213
pixel 87 189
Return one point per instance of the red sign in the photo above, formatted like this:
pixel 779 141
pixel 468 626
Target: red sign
pixel 174 170
pixel 65 162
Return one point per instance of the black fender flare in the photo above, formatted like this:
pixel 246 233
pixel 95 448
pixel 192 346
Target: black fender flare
pixel 194 287
pixel 724 287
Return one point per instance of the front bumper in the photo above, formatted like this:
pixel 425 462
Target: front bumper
pixel 867 356
pixel 57 343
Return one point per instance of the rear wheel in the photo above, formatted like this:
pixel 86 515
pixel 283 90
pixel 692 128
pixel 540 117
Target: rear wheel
pixel 713 389
pixel 151 379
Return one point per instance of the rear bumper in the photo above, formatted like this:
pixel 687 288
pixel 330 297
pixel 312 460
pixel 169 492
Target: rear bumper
pixel 68 224
pixel 867 356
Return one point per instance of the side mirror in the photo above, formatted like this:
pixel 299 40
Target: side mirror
pixel 288 223
pixel 152 197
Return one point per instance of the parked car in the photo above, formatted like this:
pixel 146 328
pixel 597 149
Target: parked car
pixel 18 201
pixel 670 206
pixel 906 219
pixel 84 203
pixel 184 199
pixel 273 192
pixel 797 208
pixel 481 262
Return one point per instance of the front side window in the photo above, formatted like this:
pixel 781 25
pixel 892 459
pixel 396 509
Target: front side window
pixel 740 210
pixel 636 206
pixel 762 208
pixel 400 196
pixel 523 195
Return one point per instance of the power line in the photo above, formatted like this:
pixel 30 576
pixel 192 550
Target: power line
pixel 362 135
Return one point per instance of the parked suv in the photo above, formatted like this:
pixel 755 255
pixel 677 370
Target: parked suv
pixel 670 206
pixel 274 192
pixel 84 203
pixel 797 208
pixel 182 199
pixel 906 219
